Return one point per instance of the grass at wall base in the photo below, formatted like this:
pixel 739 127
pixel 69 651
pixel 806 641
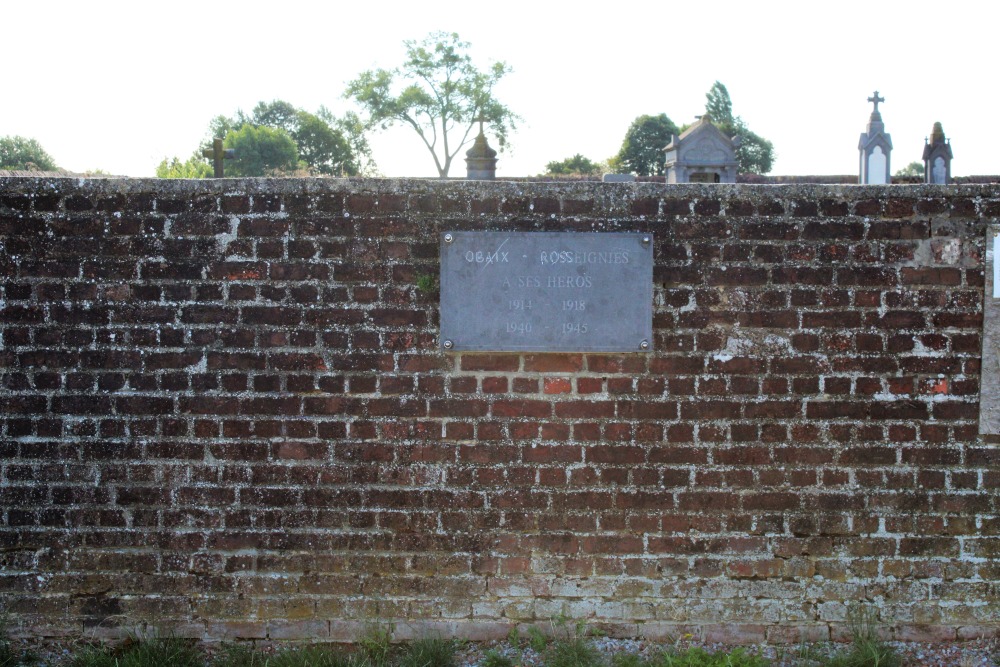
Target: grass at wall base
pixel 565 645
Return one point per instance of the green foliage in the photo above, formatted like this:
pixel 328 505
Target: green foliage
pixel 261 151
pixel 573 649
pixel 576 165
pixel 912 169
pixel 9 657
pixel 308 656
pixel 328 145
pixel 629 660
pixel 142 652
pixel 439 93
pixel 575 652
pixel 374 651
pixel 195 167
pixel 23 154
pixel 239 655
pixel 754 154
pixel 321 147
pixel 299 656
pixel 427 282
pixel 537 639
pixel 324 143
pixel 718 105
pixel 569 646
pixel 699 657
pixel 495 658
pixel 220 126
pixel 805 653
pixel 428 652
pixel 642 149
pixel 353 129
pixel 866 649
pixel 278 114
pixel 376 645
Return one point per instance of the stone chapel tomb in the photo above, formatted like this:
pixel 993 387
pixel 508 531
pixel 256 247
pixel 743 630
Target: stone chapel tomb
pixel 702 154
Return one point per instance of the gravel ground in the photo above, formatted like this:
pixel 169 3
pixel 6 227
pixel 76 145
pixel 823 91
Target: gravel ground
pixel 965 654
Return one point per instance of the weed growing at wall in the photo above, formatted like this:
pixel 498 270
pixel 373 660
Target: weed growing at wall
pixel 537 640
pixel 866 649
pixel 239 655
pixel 10 657
pixel 573 652
pixel 427 282
pixel 495 658
pixel 571 646
pixel 142 652
pixel 375 645
pixel 310 656
pixel 699 657
pixel 428 652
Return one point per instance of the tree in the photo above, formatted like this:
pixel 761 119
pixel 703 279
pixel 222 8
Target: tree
pixel 718 105
pixel 278 114
pixel 261 151
pixel 439 93
pixel 642 150
pixel 20 153
pixel 220 126
pixel 325 144
pixel 353 129
pixel 912 169
pixel 576 165
pixel 754 154
pixel 195 167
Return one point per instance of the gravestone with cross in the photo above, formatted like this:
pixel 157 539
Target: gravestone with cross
pixel 875 146
pixel 937 157
pixel 217 154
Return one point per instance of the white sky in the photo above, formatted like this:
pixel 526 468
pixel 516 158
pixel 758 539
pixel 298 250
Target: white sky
pixel 120 85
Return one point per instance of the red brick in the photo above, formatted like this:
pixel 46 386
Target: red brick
pixel 495 385
pixel 585 409
pixel 707 207
pixel 521 408
pixel 485 362
pixel 557 386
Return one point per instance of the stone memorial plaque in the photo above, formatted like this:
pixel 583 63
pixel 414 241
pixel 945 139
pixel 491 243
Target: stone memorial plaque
pixel 989 383
pixel 547 291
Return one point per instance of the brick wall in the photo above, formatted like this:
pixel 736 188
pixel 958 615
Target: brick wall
pixel 224 412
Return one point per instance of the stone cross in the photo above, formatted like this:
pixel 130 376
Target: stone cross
pixel 876 99
pixel 217 154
